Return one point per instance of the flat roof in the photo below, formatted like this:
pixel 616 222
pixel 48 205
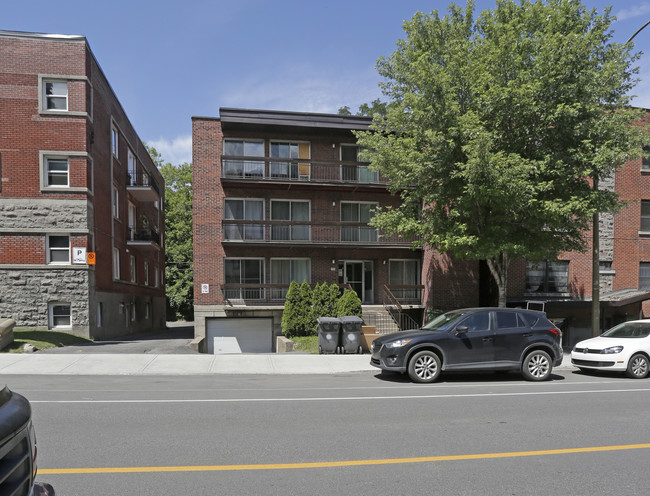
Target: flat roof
pixel 293 119
pixel 48 36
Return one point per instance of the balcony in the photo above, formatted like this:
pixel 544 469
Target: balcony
pixel 142 186
pixel 299 170
pixel 143 238
pixel 309 233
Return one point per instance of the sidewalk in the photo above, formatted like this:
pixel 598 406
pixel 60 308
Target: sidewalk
pixel 167 364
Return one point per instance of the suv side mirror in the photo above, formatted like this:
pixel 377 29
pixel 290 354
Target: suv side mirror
pixel 461 330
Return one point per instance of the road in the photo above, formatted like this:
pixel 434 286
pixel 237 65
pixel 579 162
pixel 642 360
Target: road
pixel 359 433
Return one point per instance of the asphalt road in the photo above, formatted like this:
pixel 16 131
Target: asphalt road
pixel 360 433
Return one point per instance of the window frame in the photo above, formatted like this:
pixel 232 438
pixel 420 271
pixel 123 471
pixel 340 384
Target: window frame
pixel 294 223
pixel 262 277
pixel 249 168
pixel 229 228
pixel 545 281
pixel 46 98
pixel 47 172
pixel 133 269
pixel 51 316
pixel 115 142
pixel 644 223
pixel 49 249
pixel 116 264
pixel 643 265
pixel 280 293
pixel 345 228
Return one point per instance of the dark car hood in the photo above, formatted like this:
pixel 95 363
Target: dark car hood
pixel 408 334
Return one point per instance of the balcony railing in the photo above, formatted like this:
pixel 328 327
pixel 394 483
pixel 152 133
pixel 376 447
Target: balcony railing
pixel 309 233
pixel 315 171
pixel 142 181
pixel 143 236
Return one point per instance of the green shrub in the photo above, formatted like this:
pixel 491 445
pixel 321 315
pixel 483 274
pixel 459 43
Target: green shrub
pixel 333 297
pixel 307 327
pixel 290 320
pixel 349 304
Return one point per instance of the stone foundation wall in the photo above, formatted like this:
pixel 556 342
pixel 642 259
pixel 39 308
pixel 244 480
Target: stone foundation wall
pixel 43 215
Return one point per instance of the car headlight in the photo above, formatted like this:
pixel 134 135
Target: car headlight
pixel 397 344
pixel 613 349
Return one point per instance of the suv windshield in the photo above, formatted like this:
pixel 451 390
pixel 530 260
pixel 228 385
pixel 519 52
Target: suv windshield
pixel 444 321
pixel 628 330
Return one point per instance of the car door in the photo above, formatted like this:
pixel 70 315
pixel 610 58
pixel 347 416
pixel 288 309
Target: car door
pixel 473 346
pixel 511 335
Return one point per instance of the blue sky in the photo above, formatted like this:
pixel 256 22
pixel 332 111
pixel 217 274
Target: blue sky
pixel 169 60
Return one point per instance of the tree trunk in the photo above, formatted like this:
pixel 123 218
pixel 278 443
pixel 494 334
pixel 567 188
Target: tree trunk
pixel 499 270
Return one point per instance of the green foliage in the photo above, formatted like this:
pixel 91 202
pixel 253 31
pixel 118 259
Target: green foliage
pixel 42 340
pixel 307 320
pixel 296 317
pixel 333 297
pixel 349 304
pixel 178 236
pixel 375 107
pixel 320 305
pixel 497 128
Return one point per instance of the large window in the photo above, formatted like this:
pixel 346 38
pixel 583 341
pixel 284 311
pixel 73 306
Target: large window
pixel 645 216
pixel 291 168
pixel 116 203
pixel 404 273
pixel 114 141
pixel 244 271
pixel 355 172
pixel 57 172
pixel 58 249
pixel 59 316
pixel 644 275
pixel 359 213
pixel 285 270
pixel 234 165
pixel 248 210
pixel 116 263
pixel 132 269
pixel 645 160
pixel 547 277
pixel 55 95
pixel 290 210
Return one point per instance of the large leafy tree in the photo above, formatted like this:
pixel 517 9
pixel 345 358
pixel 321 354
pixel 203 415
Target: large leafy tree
pixel 178 235
pixel 498 127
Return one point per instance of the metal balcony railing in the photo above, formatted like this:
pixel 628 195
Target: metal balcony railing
pixel 140 233
pixel 316 171
pixel 141 179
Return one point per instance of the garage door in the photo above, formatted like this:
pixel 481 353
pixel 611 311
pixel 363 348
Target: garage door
pixel 235 335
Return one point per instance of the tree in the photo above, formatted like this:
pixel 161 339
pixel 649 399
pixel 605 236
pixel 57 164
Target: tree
pixel 348 304
pixel 178 235
pixel 291 312
pixel 367 109
pixel 497 129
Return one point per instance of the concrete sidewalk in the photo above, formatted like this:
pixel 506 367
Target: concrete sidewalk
pixel 167 364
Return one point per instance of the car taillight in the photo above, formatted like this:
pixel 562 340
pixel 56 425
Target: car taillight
pixel 556 331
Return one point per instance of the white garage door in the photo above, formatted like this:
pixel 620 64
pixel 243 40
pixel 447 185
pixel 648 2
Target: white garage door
pixel 232 335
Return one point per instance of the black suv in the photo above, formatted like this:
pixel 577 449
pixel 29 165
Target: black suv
pixel 473 339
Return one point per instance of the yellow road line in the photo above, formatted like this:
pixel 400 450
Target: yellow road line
pixel 349 463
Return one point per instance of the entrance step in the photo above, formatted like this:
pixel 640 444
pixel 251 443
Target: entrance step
pixel 378 316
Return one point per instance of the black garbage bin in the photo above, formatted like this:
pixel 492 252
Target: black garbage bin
pixel 328 334
pixel 351 334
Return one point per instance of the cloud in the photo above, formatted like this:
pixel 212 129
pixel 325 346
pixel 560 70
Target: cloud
pixel 633 11
pixel 176 151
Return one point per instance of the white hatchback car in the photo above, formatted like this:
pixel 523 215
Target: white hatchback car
pixel 624 348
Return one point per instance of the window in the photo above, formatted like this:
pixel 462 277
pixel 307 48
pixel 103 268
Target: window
pixel 99 314
pixel 244 271
pixel 285 270
pixel 645 159
pixel 355 172
pixel 404 273
pixel 476 322
pixel 290 169
pixel 58 249
pixel 506 320
pixel 645 216
pixel 55 95
pixel 57 172
pixel 294 211
pixel 146 273
pixel 59 316
pixel 132 308
pixel 644 275
pixel 156 275
pixel 238 166
pixel 147 310
pixel 547 277
pixel 114 141
pixel 605 266
pixel 116 203
pixel 116 263
pixel 359 213
pixel 132 268
pixel 243 210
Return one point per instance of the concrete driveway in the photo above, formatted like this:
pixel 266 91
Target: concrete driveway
pixel 175 340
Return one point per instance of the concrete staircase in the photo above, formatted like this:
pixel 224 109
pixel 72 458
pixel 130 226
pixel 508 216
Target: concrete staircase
pixel 378 316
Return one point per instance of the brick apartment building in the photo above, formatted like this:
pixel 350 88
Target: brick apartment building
pixel 281 196
pixel 75 180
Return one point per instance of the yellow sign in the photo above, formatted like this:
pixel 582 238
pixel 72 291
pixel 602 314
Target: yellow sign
pixel 91 258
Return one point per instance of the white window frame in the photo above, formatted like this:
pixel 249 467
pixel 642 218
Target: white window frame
pixel 115 138
pixel 50 315
pixel 146 273
pixel 116 264
pixel 133 269
pixel 49 249
pixel 116 203
pixel 46 97
pixel 46 172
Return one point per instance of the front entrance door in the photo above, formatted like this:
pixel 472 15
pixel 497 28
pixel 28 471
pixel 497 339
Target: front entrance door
pixel 359 275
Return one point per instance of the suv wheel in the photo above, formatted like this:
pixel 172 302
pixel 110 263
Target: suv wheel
pixel 537 366
pixel 424 366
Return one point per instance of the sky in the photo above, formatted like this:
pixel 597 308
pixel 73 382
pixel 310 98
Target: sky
pixel 170 60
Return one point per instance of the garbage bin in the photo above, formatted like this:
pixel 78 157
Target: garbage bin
pixel 328 334
pixel 351 334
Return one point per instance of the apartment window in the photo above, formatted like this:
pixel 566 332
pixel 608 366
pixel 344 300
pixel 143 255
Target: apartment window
pixel 147 311
pixel 547 277
pixel 644 275
pixel 291 210
pixel 146 273
pixel 57 171
pixel 360 213
pixel 645 159
pixel 645 216
pixel 100 310
pixel 156 275
pixel 116 203
pixel 244 271
pixel 247 210
pixel 404 273
pixel 59 316
pixel 132 269
pixel 116 263
pixel 58 249
pixel 114 141
pixel 285 270
pixel 132 307
pixel 234 163
pixel 291 168
pixel 351 172
pixel 55 95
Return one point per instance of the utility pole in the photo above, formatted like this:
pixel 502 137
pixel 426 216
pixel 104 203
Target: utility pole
pixel 595 274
